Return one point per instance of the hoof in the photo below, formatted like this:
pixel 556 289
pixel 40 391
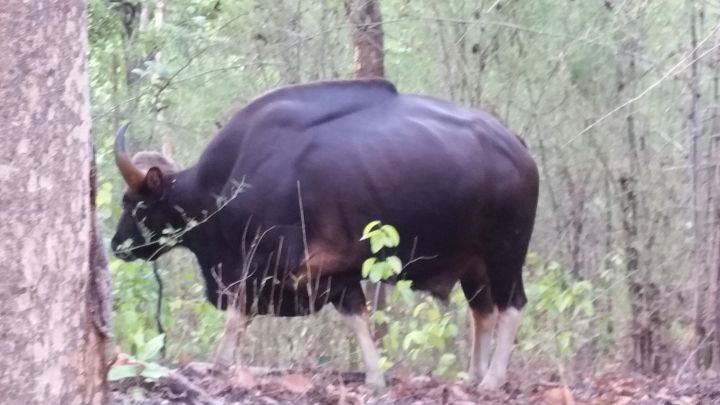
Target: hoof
pixel 492 382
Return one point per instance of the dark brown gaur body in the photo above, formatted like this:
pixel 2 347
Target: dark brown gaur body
pixel 320 161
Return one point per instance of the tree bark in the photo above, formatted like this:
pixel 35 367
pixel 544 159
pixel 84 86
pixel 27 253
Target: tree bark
pixel 714 202
pixel 53 319
pixel 704 352
pixel 368 60
pixel 367 37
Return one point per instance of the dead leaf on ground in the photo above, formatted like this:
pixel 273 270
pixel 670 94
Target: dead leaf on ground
pixel 341 394
pixel 558 396
pixel 244 378
pixel 459 393
pixel 184 360
pixel 296 383
pixel 623 400
pixel 421 380
pixel 402 373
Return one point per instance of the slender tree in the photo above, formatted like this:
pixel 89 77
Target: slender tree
pixel 368 60
pixel 367 37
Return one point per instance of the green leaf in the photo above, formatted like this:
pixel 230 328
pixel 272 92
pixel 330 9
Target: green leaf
pixel 369 227
pixel 385 363
pixel 367 266
pixel 564 339
pixel 104 194
pixel 419 308
pixel 393 237
pixel 376 244
pixel 446 363
pixel 395 264
pixel 564 301
pixel 120 371
pixel 379 317
pixel 403 287
pixel 415 336
pixel 384 269
pixel 154 371
pixel 585 307
pixel 451 330
pixel 376 274
pixel 138 340
pixel 152 347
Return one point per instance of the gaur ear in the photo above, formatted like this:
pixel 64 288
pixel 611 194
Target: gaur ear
pixel 154 181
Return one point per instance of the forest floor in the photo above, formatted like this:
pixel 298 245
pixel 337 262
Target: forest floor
pixel 196 384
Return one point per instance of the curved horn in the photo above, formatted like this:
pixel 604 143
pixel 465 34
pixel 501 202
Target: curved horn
pixel 133 176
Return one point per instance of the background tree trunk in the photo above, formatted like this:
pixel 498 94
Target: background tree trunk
pixel 704 352
pixel 367 39
pixel 53 322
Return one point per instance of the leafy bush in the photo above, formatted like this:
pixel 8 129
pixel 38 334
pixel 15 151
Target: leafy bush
pixel 416 331
pixel 558 309
pixel 143 364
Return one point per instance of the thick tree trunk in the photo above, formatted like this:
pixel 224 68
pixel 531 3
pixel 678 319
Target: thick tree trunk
pixel 52 321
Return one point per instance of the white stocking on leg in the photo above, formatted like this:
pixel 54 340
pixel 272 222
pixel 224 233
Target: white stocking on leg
pixel 361 327
pixel 483 325
pixel 507 324
pixel 235 326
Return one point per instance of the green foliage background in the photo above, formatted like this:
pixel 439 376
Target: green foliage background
pixel 551 70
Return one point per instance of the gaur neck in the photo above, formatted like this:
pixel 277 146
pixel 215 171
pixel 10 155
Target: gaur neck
pixel 202 239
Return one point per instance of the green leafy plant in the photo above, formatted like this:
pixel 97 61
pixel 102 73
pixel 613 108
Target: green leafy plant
pixel 134 294
pixel 561 305
pixel 142 365
pixel 384 267
pixel 414 330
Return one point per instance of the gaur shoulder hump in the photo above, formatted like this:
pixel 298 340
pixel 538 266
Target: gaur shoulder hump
pixel 376 87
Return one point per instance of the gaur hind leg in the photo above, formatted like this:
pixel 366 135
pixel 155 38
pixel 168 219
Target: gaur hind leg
pixel 507 322
pixel 353 308
pixel 483 318
pixel 504 262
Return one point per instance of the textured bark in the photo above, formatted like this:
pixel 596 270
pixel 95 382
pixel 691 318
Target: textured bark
pixel 704 352
pixel 367 37
pixel 368 59
pixel 52 344
pixel 712 209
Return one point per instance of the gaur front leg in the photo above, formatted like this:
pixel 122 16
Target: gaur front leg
pixel 353 308
pixel 235 325
pixel 361 327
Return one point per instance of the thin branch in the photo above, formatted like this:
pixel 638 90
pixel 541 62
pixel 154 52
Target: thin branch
pixel 652 86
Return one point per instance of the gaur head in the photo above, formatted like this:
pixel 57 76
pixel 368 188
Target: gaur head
pixel 150 216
